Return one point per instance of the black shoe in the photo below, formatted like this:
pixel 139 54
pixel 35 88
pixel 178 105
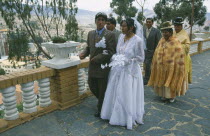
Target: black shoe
pixel 97 114
pixel 145 83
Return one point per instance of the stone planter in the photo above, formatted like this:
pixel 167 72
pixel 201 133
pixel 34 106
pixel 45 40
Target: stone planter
pixel 61 53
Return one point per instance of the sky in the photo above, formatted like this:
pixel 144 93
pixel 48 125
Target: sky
pixel 103 5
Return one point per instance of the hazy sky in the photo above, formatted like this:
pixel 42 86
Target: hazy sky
pixel 98 5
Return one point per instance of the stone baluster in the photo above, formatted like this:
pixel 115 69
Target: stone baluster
pixel 86 79
pixel 200 45
pixel 44 92
pixel 81 81
pixel 10 104
pixel 29 97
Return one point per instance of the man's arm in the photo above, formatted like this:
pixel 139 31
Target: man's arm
pixel 86 51
pixel 158 36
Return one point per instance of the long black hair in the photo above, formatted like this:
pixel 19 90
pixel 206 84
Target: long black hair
pixel 130 23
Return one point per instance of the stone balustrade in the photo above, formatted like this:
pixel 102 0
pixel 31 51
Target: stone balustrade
pixel 197 47
pixel 58 89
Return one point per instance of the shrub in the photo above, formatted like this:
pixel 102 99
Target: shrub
pixel 58 39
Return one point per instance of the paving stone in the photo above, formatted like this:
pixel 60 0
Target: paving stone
pixel 206 130
pixel 182 118
pixel 158 132
pixel 143 128
pixel 204 102
pixel 190 100
pixel 202 112
pixel 168 109
pixel 179 104
pixel 90 118
pixel 110 129
pixel 167 124
pixel 152 118
pixel 190 128
pixel 131 133
pixel 198 92
pixel 81 128
pixel 161 114
pixel 18 131
pixel 180 133
pixel 100 123
pixel 203 122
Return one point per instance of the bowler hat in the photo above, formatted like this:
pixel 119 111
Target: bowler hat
pixel 178 21
pixel 166 25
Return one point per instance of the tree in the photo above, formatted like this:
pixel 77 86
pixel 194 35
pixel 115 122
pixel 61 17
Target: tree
pixel 123 8
pixel 167 10
pixel 141 16
pixel 18 45
pixel 206 28
pixel 2 72
pixel 46 12
pixel 71 28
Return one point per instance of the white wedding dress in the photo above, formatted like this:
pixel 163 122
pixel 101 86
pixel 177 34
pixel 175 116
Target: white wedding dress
pixel 124 98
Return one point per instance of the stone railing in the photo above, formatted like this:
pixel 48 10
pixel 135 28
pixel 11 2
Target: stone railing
pixel 58 89
pixel 197 47
pixel 83 87
pixel 26 80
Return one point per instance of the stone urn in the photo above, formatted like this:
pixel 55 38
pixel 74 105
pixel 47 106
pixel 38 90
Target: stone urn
pixel 61 53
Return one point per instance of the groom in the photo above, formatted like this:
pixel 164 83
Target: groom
pixel 100 53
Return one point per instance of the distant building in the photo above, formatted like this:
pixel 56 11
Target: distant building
pixel 8 66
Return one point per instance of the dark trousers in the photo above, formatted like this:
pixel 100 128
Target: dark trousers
pixel 147 63
pixel 98 88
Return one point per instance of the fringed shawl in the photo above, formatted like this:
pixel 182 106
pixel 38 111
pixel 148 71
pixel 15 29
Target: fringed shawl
pixel 168 67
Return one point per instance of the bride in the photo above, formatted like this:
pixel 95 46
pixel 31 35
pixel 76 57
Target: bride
pixel 124 99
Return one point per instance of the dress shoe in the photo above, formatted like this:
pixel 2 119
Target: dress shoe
pixel 163 98
pixel 97 114
pixel 145 83
pixel 172 100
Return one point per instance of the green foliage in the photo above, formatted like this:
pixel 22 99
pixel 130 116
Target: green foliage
pixel 38 38
pixel 123 8
pixel 207 28
pixel 71 28
pixel 1 114
pixel 2 72
pixel 170 9
pixel 58 39
pixel 18 44
pixel 141 17
pixel 48 13
pixel 19 107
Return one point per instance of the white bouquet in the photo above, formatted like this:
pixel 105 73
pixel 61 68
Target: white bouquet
pixel 117 60
pixel 101 43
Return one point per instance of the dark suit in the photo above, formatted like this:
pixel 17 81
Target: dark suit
pixel 98 77
pixel 151 44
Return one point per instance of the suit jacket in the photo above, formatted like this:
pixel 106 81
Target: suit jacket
pixel 95 69
pixel 151 42
pixel 117 34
